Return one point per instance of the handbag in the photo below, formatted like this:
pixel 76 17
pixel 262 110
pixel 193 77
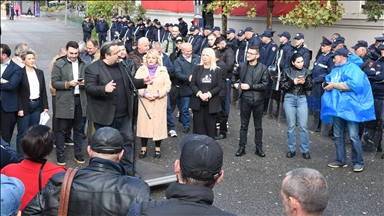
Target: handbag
pixel 272 69
pixel 65 191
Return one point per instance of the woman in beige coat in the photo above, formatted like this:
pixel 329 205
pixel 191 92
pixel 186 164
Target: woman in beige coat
pixel 154 98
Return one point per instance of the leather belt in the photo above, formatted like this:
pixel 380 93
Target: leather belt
pixel 34 100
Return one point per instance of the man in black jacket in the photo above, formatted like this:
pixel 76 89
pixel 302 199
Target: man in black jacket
pixel 251 80
pixel 198 170
pixel 101 188
pixel 87 28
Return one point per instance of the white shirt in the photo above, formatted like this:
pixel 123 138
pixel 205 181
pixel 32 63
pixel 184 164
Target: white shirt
pixel 4 66
pixel 75 72
pixel 34 85
pixel 188 59
pixel 20 61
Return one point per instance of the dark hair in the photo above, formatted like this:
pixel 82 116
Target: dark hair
pixel 106 48
pixel 5 49
pixel 217 53
pixel 37 142
pixel 295 56
pixel 218 40
pixel 72 44
pixel 94 42
pixel 120 43
pixel 192 181
pixel 253 47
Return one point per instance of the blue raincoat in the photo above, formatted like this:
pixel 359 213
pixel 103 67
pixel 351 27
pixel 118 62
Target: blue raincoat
pixel 355 105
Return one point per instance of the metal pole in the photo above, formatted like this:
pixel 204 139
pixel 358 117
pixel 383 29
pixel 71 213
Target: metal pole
pixel 66 13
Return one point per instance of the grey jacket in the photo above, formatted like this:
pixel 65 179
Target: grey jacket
pixel 61 73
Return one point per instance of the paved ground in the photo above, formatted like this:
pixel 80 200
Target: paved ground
pixel 251 185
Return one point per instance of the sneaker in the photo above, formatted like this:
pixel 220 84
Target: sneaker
pixel 54 146
pixel 172 133
pixel 178 114
pixel 336 165
pixel 61 160
pixel 358 168
pixel 69 142
pixel 79 159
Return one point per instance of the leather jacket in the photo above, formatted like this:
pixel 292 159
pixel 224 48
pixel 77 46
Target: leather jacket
pixel 99 189
pixel 287 84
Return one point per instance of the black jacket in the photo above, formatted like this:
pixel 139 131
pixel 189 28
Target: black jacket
pixel 184 69
pixel 223 70
pixel 287 84
pixel 260 80
pixel 228 56
pixel 182 199
pixel 98 189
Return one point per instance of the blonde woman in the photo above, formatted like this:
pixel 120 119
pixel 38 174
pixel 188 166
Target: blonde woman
pixel 205 102
pixel 154 98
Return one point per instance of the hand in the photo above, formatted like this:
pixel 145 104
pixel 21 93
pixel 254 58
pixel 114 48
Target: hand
pixel 378 72
pixel 148 80
pixel 73 83
pixel 45 111
pixel 4 80
pixel 202 96
pixel 236 85
pixel 190 78
pixel 20 113
pixel 81 83
pixel 329 87
pixel 149 96
pixel 110 87
pixel 245 86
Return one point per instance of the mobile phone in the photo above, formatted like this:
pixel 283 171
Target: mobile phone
pixel 325 84
pixel 80 79
pixel 300 76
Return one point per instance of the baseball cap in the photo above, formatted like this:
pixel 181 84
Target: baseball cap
pixel 180 18
pixel 240 33
pixel 107 140
pixel 179 39
pixel 86 16
pixel 193 28
pixel 149 20
pixel 102 16
pixel 360 43
pixel 341 52
pixel 154 20
pixel 207 27
pixel 216 28
pixel 120 17
pixel 200 153
pixel 326 41
pixel 337 41
pixel 157 22
pixel 248 29
pixel 381 38
pixel 139 19
pixel 267 33
pixel 299 36
pixel 230 30
pixel 166 25
pixel 285 34
pixel 12 190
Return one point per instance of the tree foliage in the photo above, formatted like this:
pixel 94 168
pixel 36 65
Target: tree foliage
pixel 108 8
pixel 313 13
pixel 374 10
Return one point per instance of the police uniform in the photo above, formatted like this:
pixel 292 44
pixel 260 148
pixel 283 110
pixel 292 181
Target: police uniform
pixel 183 27
pixel 167 33
pixel 375 50
pixel 128 37
pixel 123 29
pixel 139 31
pixel 157 33
pixel 302 50
pixel 241 51
pixel 195 40
pixel 204 42
pixel 234 39
pixel 113 28
pixel 102 28
pixel 87 29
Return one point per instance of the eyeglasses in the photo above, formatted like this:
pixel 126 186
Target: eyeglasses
pixel 251 53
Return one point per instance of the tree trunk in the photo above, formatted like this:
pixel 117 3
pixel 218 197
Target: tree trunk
pixel 224 24
pixel 270 7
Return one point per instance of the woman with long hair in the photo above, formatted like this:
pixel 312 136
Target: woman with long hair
pixel 295 83
pixel 154 98
pixel 205 102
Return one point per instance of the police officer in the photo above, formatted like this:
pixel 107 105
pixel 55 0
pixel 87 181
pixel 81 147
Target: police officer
pixel 128 36
pixel 158 32
pixel 206 31
pixel 251 38
pixel 149 29
pixel 87 28
pixel 167 33
pixel 139 29
pixel 118 26
pixel 195 39
pixel 301 48
pixel 183 27
pixel 231 37
pixel 242 43
pixel 374 48
pixel 113 27
pixel 361 49
pixel 124 27
pixel 102 28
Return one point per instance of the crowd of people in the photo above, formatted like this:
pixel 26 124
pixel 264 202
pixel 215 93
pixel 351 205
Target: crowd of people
pixel 129 82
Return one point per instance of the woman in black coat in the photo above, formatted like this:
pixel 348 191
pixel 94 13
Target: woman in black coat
pixel 205 102
pixel 32 96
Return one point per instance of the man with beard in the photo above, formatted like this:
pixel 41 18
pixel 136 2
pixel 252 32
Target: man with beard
pixel 169 45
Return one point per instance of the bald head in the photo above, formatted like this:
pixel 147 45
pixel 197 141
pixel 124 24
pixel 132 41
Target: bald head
pixel 157 47
pixel 143 45
pixel 62 51
pixel 186 49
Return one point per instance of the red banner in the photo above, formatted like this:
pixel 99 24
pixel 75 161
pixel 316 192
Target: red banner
pixel 186 6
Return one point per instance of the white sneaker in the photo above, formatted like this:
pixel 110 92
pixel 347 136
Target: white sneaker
pixel 172 133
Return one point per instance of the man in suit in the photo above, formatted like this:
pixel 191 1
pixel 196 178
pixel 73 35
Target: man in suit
pixel 110 96
pixel 10 79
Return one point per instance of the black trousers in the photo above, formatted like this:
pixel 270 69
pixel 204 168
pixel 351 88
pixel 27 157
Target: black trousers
pixel 54 120
pixel 222 117
pixel 247 107
pixel 204 122
pixel 174 96
pixel 8 122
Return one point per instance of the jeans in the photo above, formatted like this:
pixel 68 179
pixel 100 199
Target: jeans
pixel 170 120
pixel 246 108
pixel 339 126
pixel 183 105
pixel 32 117
pixel 296 107
pixel 124 126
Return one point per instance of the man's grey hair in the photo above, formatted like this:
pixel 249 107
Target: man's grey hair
pixel 82 47
pixel 183 45
pixel 141 40
pixel 19 48
pixel 309 187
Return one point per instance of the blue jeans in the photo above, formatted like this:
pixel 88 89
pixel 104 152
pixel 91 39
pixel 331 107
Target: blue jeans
pixel 124 126
pixel 170 120
pixel 339 126
pixel 296 107
pixel 183 105
pixel 32 117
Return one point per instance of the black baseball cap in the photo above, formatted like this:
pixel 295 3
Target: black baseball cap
pixel 107 140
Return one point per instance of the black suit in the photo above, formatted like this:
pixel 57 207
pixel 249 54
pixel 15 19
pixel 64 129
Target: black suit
pixel 102 105
pixel 204 114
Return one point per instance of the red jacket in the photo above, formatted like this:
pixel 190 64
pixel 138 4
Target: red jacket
pixel 28 173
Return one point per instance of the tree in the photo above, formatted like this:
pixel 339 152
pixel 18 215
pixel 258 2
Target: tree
pixel 108 8
pixel 374 9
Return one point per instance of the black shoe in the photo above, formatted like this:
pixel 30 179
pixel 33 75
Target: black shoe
pixel 220 136
pixel 379 149
pixel 61 160
pixel 240 151
pixel 157 154
pixel 306 155
pixel 290 154
pixel 185 130
pixel 259 152
pixel 79 159
pixel 142 154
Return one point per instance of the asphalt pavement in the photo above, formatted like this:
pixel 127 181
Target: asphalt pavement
pixel 251 185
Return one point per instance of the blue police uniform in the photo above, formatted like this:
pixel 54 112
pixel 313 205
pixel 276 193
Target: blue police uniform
pixel 149 32
pixel 87 30
pixel 113 29
pixel 241 52
pixel 157 34
pixel 139 32
pixel 204 44
pixel 183 27
pixel 196 41
pixel 235 43
pixel 102 28
pixel 123 29
pixel 268 53
pixel 254 41
pixel 305 53
pixel 129 38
